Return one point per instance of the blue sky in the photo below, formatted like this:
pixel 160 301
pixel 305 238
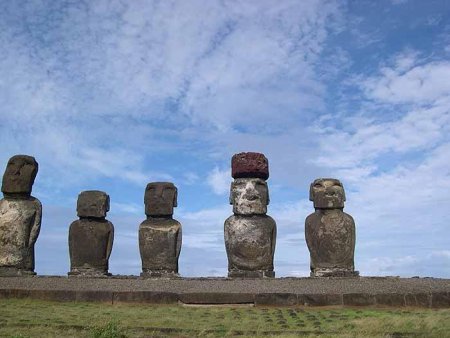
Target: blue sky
pixel 111 95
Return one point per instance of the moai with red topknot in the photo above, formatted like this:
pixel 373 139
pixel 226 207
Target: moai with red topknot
pixel 160 234
pixel 91 237
pixel 330 232
pixel 20 217
pixel 250 234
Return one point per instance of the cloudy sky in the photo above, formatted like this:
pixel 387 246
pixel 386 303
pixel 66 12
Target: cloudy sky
pixel 111 95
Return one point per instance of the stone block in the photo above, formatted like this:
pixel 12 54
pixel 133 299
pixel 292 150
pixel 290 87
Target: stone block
pixel 216 298
pixel 14 293
pixel 53 295
pixel 359 299
pixel 251 273
pixel 391 299
pixel 92 203
pixel 440 299
pixel 276 299
pixel 320 299
pixel 418 299
pixel 94 296
pixel 150 297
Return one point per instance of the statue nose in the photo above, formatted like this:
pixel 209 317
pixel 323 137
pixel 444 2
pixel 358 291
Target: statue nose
pixel 250 196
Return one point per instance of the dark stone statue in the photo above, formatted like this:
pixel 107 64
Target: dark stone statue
pixel 20 217
pixel 329 231
pixel 91 237
pixel 160 234
pixel 250 234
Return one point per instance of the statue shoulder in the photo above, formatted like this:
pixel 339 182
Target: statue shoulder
pixel 311 218
pixel 36 202
pixel 349 218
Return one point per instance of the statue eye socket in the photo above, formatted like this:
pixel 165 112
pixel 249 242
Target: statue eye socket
pixel 317 185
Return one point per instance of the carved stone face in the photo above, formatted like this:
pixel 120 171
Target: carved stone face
pixel 160 198
pixel 327 193
pixel 249 196
pixel 92 203
pixel 19 175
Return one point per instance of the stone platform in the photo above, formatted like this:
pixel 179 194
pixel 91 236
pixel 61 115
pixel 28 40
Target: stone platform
pixel 360 291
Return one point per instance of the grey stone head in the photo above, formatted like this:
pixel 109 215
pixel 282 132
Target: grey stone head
pixel 249 196
pixel 160 199
pixel 327 193
pixel 19 175
pixel 92 203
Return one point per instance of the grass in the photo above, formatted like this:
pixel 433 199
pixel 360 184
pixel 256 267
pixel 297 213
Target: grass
pixel 33 318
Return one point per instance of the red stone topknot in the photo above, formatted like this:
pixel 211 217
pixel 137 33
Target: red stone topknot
pixel 246 165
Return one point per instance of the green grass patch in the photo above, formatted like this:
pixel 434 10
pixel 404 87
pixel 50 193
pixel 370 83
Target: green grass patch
pixel 33 318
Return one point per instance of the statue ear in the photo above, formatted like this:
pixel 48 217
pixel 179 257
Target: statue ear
pixel 343 191
pixel 311 192
pixel 107 203
pixel 231 198
pixel 268 197
pixel 175 198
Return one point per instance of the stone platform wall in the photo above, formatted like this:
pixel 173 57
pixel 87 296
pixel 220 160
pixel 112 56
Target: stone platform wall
pixel 364 291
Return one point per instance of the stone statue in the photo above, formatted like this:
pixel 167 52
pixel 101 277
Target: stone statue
pixel 91 237
pixel 20 217
pixel 329 231
pixel 250 234
pixel 160 234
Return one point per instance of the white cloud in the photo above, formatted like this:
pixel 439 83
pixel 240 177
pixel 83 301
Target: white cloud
pixel 219 180
pixel 408 82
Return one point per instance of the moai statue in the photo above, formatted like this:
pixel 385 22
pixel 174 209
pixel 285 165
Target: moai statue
pixel 250 234
pixel 20 217
pixel 160 234
pixel 329 231
pixel 91 237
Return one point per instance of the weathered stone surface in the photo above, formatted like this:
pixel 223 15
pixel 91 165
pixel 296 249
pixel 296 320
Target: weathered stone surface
pixel 19 175
pixel 20 217
pixel 327 193
pixel 249 196
pixel 250 245
pixel 94 296
pixel 440 299
pixel 90 245
pixel 276 299
pixel 249 165
pixel 359 299
pixel 330 235
pixel 153 297
pixel 92 203
pixel 216 298
pixel 160 236
pixel 418 299
pixel 390 299
pixel 320 299
pixel 251 273
pixel 160 245
pixel 330 232
pixel 160 199
pixel 20 223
